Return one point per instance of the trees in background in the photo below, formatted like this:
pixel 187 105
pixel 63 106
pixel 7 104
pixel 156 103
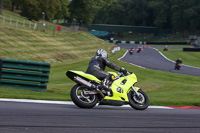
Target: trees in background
pixel 80 10
pixel 185 15
pixel 86 10
pixel 178 15
pixel 1 6
pixel 28 10
pixel 126 12
pixel 33 9
pixel 160 13
pixel 63 13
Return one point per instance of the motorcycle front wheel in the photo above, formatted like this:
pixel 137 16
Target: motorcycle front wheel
pixel 81 99
pixel 140 102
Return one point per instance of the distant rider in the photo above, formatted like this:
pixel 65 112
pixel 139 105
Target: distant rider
pixel 97 66
pixel 178 64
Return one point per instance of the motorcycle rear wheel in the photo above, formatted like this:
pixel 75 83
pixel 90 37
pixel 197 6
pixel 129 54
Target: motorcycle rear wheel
pixel 138 103
pixel 82 100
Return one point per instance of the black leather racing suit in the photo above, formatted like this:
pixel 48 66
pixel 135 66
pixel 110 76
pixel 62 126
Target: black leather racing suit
pixel 178 61
pixel 97 66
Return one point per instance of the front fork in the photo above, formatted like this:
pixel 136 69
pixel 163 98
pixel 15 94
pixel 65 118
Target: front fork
pixel 135 89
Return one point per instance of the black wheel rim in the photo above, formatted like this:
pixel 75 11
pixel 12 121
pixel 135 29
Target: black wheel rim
pixel 140 99
pixel 80 93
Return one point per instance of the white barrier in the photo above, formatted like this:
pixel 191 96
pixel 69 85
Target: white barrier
pixel 114 41
pixel 132 42
pixel 123 42
pixel 126 42
pixel 115 49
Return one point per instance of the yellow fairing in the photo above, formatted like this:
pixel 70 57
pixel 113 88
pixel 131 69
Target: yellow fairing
pixel 120 89
pixel 89 76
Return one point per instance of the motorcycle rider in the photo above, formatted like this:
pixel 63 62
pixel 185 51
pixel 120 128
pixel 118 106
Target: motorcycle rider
pixel 131 50
pixel 97 66
pixel 178 64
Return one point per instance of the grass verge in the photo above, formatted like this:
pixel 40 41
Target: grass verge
pixel 163 88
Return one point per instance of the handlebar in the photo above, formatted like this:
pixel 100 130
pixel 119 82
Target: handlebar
pixel 128 73
pixel 121 74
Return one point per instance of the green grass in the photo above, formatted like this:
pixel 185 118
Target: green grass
pixel 67 51
pixel 40 46
pixel 163 88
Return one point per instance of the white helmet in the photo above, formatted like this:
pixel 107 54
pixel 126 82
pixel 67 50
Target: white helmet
pixel 102 52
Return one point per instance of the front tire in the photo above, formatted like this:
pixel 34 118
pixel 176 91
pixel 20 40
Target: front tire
pixel 140 102
pixel 83 100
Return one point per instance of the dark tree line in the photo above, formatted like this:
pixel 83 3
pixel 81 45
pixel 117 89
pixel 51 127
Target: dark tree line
pixel 81 10
pixel 33 9
pixel 178 15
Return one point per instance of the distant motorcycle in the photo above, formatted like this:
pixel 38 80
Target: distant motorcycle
pixel 131 51
pixel 165 49
pixel 139 50
pixel 178 66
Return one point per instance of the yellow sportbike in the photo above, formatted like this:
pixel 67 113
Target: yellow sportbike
pixel 121 91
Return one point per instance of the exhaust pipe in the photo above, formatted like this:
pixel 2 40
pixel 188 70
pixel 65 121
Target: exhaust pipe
pixel 83 82
pixel 87 84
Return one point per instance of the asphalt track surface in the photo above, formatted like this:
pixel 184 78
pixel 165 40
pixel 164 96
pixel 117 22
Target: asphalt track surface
pixel 153 59
pixel 21 117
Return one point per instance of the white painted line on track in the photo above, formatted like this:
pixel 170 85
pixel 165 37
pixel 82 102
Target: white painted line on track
pixel 138 65
pixel 67 103
pixel 36 101
pixel 163 55
pixel 159 107
pixel 123 55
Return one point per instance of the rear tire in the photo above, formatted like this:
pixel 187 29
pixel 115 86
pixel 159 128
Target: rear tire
pixel 138 103
pixel 82 100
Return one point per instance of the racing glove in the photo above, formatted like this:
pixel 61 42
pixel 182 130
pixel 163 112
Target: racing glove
pixel 123 70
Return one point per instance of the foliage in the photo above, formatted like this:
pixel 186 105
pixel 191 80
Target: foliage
pixel 28 10
pixel 179 15
pixel 126 12
pixel 160 10
pixel 64 12
pixel 33 9
pixel 85 10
